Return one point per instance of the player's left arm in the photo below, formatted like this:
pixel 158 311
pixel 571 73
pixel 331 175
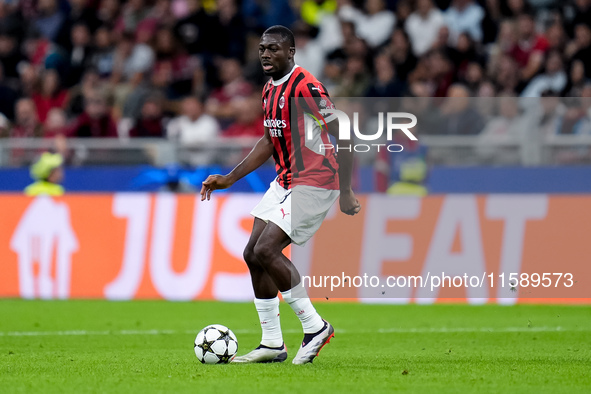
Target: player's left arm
pixel 321 100
pixel 317 98
pixel 347 200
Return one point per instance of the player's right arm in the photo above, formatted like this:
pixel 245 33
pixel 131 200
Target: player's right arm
pixel 261 152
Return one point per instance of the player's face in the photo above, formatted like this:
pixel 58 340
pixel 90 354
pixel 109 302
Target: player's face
pixel 276 55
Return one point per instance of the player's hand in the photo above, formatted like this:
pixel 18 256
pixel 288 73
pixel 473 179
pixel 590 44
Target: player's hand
pixel 214 182
pixel 349 203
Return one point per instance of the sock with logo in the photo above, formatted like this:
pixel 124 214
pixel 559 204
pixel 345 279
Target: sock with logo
pixel 304 310
pixel 268 310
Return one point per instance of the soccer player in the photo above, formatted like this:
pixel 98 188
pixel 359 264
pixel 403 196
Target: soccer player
pixel 322 177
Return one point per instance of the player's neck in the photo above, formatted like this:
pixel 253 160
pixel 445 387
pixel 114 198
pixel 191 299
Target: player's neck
pixel 278 80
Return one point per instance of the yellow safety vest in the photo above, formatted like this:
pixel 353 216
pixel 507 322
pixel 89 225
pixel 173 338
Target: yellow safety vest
pixel 407 189
pixel 44 188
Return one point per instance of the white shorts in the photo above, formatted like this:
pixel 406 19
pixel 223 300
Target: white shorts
pixel 298 211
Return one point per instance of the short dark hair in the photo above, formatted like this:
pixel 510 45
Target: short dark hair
pixel 284 32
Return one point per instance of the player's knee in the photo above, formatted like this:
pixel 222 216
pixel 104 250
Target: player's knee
pixel 263 252
pixel 250 257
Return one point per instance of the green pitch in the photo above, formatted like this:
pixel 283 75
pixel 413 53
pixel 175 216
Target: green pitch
pixel 147 347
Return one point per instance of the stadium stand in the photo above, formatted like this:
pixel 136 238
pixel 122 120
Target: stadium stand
pixel 149 74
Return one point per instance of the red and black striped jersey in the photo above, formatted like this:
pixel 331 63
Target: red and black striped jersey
pixel 296 164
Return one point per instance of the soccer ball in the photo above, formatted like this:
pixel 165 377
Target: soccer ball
pixel 216 344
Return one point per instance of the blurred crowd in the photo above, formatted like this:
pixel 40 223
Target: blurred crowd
pixel 188 70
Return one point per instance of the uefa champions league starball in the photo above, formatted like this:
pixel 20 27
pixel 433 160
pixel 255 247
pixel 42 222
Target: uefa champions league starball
pixel 215 344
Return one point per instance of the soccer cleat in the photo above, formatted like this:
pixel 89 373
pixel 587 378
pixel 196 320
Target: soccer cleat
pixel 313 344
pixel 263 354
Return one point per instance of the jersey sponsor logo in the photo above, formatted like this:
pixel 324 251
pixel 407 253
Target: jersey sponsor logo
pixel 275 123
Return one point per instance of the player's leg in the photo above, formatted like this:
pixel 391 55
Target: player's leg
pixel 269 251
pixel 266 302
pixel 264 287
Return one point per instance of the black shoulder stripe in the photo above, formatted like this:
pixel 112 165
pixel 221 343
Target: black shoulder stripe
pixel 282 140
pixel 295 129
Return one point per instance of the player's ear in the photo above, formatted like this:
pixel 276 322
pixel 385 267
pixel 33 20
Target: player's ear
pixel 291 52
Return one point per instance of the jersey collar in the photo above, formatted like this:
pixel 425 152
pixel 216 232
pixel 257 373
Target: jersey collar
pixel 284 78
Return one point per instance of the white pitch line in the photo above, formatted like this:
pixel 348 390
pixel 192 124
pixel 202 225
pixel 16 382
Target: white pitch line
pixel 421 330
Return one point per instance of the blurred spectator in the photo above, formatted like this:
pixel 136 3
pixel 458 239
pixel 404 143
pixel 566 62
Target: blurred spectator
pixel 356 80
pixel 4 126
pixel 514 8
pixel 473 77
pixel 556 37
pixel 48 174
pixel 233 27
pixel 578 12
pixel 90 82
pixel 464 16
pixel 554 78
pixel 505 42
pixel 107 12
pixel 413 173
pixel 197 30
pixel 103 57
pixel 259 15
pixel 423 26
pixel 80 53
pixel 10 54
pixel 131 60
pixel 234 86
pixel 400 49
pixel 506 75
pixel 333 70
pixel 50 95
pixel 463 54
pixel 309 53
pixel 374 25
pixel 581 47
pixel 313 12
pixel 403 10
pixel 8 96
pixel 80 15
pixel 27 122
pixel 96 120
pixel 133 14
pixel 507 126
pixel 544 113
pixel 28 79
pixel 576 80
pixel 49 20
pixel 530 47
pixel 487 100
pixel 440 73
pixel 385 83
pixel 249 120
pixel 56 123
pixel 459 117
pixel 194 126
pixel 576 120
pixel 151 122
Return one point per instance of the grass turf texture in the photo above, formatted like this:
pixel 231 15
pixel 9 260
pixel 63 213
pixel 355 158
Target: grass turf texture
pixel 377 348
